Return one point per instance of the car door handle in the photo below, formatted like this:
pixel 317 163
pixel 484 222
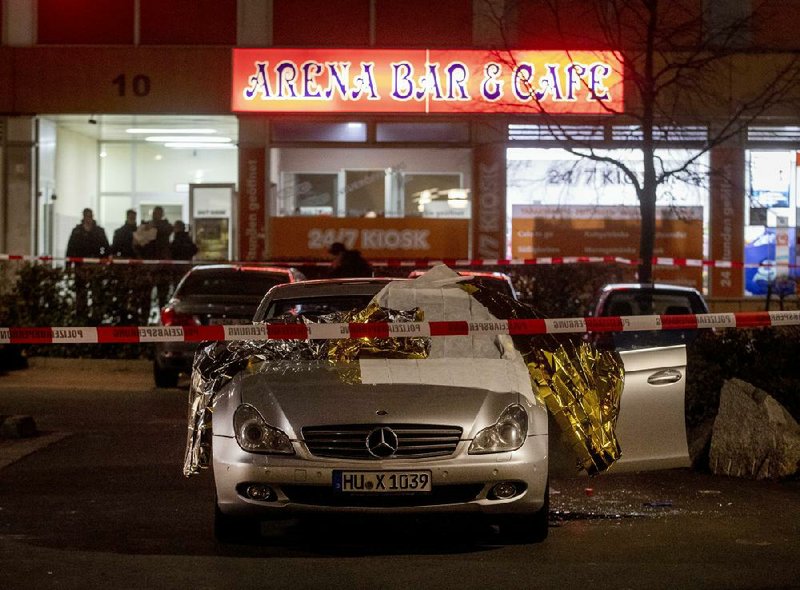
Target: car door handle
pixel 665 377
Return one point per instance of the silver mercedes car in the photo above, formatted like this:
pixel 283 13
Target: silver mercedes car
pixel 459 431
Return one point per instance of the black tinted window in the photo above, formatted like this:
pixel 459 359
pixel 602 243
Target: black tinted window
pixel 230 282
pixel 316 306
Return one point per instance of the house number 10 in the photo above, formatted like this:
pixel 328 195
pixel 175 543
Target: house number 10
pixel 140 84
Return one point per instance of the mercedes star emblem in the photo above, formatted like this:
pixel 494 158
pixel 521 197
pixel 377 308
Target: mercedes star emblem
pixel 382 442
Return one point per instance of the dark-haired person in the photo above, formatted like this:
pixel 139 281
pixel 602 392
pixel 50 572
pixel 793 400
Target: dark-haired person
pixel 347 263
pixel 87 240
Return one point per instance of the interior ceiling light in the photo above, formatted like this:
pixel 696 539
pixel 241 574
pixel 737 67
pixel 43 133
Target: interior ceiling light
pixel 186 138
pixel 138 131
pixel 200 145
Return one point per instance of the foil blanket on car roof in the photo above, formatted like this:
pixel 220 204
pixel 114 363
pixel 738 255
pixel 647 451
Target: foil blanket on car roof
pixel 579 384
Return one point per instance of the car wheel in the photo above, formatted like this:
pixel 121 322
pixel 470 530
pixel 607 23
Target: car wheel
pixel 164 377
pixel 234 529
pixel 528 528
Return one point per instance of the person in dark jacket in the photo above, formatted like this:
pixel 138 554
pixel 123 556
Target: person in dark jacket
pixel 182 247
pixel 158 247
pixel 151 241
pixel 122 244
pixel 347 262
pixel 88 240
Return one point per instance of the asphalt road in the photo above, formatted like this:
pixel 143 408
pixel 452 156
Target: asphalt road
pixel 98 501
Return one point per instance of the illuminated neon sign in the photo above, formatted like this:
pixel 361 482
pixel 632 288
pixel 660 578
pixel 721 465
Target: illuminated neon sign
pixel 425 81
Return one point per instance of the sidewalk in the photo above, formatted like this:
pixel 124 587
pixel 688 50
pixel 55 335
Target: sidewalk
pixel 54 373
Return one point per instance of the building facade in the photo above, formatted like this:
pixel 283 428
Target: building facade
pixel 363 126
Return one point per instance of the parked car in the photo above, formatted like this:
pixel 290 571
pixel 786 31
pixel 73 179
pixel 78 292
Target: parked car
pixel 498 281
pixel 212 294
pixel 632 299
pixel 651 426
pixel 460 431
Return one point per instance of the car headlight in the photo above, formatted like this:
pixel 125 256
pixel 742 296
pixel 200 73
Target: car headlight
pixel 255 435
pixel 507 434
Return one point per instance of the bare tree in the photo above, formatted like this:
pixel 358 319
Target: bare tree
pixel 682 61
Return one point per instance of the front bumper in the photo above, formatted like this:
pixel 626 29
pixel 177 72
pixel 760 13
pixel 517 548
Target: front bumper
pixel 304 483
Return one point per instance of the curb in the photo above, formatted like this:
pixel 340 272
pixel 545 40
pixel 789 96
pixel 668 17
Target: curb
pixel 55 363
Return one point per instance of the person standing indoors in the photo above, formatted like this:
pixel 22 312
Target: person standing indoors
pixel 182 247
pixel 122 244
pixel 152 242
pixel 156 248
pixel 87 240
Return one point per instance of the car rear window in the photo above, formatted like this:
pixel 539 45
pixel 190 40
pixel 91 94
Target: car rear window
pixel 230 282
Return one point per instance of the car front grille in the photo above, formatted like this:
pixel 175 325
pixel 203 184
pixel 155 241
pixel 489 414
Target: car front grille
pixel 414 441
pixel 323 496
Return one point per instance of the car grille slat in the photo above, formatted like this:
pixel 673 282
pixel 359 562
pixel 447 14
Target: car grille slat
pixel 350 441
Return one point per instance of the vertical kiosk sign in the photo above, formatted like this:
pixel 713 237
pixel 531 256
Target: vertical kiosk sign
pixel 489 203
pixel 252 203
pixel 211 207
pixel 726 220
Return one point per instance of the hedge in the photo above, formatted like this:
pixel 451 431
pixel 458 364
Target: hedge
pixel 43 295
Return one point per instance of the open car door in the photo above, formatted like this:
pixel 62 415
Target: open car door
pixel 651 426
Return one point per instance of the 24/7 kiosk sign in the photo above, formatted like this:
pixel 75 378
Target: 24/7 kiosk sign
pixel 425 81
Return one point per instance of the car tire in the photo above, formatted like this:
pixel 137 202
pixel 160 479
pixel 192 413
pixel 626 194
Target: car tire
pixel 164 377
pixel 528 528
pixel 234 529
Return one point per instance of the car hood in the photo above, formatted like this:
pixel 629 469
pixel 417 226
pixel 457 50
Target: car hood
pixel 291 403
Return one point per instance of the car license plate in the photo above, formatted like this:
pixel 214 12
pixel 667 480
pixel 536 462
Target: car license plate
pixel 382 482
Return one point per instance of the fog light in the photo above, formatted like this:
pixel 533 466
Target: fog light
pixel 261 492
pixel 504 490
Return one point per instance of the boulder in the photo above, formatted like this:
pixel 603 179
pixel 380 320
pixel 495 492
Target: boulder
pixel 754 436
pixel 17 427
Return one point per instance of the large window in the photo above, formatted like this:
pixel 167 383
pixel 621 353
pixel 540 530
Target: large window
pixel 560 204
pixel 770 231
pixel 342 182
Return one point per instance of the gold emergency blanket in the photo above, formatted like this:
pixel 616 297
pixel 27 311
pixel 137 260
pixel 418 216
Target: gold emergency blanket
pixel 581 387
pixel 351 349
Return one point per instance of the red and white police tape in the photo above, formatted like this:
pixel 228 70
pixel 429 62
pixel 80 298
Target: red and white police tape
pixel 275 331
pixel 420 263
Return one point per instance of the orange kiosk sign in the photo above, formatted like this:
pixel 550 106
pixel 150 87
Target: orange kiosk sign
pixel 379 237
pixel 425 81
pixel 554 231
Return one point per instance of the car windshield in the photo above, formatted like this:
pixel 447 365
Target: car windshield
pixel 229 282
pixel 634 302
pixel 499 285
pixel 315 306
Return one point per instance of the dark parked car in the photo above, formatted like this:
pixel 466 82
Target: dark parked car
pixel 212 294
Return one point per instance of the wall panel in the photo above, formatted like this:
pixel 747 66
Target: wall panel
pixel 187 22
pixel 321 23
pixel 85 22
pixel 422 23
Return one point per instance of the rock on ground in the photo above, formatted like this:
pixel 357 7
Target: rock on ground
pixel 754 436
